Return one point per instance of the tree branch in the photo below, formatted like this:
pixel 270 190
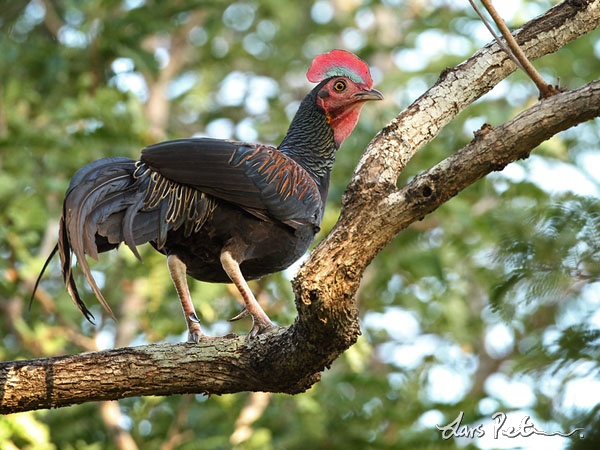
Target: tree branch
pixel 358 236
pixel 514 50
pixel 457 88
pixel 491 150
pixel 290 359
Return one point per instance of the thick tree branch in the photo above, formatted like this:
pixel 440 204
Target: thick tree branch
pixel 491 150
pixel 374 181
pixel 458 87
pixel 291 359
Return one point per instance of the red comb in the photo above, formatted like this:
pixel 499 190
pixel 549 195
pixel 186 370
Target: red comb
pixel 339 63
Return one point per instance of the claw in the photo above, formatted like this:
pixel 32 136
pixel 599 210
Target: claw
pixel 195 336
pixel 195 333
pixel 259 327
pixel 243 313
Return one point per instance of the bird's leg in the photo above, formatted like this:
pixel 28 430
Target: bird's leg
pixel 261 321
pixel 177 270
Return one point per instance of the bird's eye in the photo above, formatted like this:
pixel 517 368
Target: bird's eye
pixel 339 86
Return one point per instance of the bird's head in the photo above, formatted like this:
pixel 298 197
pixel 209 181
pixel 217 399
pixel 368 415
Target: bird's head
pixel 345 84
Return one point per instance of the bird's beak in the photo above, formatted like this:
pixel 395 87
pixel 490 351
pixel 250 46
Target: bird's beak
pixel 365 96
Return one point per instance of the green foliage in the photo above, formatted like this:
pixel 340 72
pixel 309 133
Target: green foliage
pixel 500 285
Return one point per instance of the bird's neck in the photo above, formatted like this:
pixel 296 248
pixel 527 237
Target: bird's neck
pixel 310 140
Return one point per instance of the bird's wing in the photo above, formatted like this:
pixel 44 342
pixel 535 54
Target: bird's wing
pixel 257 178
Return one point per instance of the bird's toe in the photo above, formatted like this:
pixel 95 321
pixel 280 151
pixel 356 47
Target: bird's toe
pixel 195 333
pixel 260 328
pixel 195 336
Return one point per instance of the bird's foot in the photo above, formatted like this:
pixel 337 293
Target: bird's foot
pixel 195 333
pixel 195 336
pixel 260 325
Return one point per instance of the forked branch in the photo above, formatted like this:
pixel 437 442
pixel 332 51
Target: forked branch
pixel 512 48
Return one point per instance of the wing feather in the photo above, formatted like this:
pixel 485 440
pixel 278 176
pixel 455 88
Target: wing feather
pixel 258 178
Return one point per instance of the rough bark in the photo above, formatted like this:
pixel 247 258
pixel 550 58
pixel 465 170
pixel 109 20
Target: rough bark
pixel 374 211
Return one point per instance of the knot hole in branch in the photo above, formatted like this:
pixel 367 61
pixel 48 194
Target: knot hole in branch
pixel 427 191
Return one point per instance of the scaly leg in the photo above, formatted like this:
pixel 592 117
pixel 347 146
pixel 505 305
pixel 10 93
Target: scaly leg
pixel 177 270
pixel 261 321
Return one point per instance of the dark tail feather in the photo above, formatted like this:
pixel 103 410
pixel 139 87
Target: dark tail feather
pixel 102 208
pixel 116 200
pixel 71 287
pixel 65 254
pixel 39 278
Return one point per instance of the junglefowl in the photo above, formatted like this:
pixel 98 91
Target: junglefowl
pixel 220 210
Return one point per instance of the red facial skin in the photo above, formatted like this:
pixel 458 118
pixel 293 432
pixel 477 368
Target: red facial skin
pixel 342 99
